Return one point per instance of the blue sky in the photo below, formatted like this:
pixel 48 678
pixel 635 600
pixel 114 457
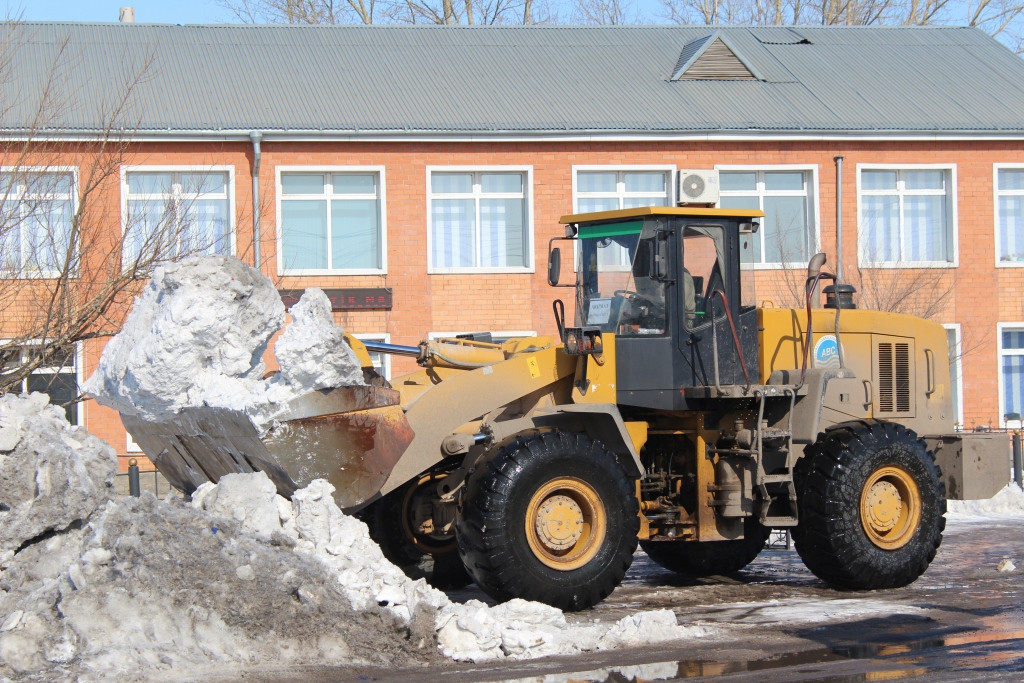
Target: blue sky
pixel 155 11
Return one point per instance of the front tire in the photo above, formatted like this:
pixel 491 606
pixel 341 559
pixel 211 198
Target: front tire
pixel 552 518
pixel 710 558
pixel 871 505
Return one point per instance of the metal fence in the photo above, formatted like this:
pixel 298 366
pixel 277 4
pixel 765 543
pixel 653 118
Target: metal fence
pixel 149 480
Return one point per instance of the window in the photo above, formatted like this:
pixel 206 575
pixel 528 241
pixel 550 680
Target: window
pixel 332 221
pixel 381 361
pixel 36 215
pixel 171 213
pixel 906 216
pixel 1011 372
pixel 479 221
pixel 605 189
pixel 1010 216
pixel 955 371
pixel 787 235
pixel 57 376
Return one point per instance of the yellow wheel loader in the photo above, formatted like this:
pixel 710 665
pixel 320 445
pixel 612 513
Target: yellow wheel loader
pixel 672 412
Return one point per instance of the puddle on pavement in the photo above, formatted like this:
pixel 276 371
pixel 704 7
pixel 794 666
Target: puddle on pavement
pixel 893 648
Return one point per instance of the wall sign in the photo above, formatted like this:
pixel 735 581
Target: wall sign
pixel 346 299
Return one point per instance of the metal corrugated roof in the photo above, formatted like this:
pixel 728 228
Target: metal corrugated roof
pixel 522 80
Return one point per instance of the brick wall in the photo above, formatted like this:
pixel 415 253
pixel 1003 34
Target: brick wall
pixel 980 294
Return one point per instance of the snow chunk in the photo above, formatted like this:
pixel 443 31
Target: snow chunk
pixel 1006 565
pixel 52 476
pixel 312 350
pixel 1009 502
pixel 198 331
pixel 196 337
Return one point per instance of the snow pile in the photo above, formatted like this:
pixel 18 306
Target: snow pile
pixel 197 334
pixel 51 473
pixel 1009 502
pixel 92 585
pixel 473 631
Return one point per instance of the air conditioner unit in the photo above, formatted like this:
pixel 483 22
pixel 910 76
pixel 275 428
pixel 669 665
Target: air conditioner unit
pixel 697 187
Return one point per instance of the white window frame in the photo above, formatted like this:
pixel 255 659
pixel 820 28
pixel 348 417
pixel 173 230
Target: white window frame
pixel 328 170
pixel 958 378
pixel 21 273
pixel 527 172
pixel 78 372
pixel 1000 327
pixel 996 194
pixel 951 203
pixel 811 170
pixel 183 168
pixel 668 170
pixel 383 338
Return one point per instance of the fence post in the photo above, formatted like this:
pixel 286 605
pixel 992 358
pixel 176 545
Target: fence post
pixel 133 478
pixel 1018 471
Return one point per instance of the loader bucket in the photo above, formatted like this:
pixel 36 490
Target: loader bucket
pixel 350 436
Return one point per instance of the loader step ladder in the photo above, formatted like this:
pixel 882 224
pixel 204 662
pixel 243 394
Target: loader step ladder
pixel 777 487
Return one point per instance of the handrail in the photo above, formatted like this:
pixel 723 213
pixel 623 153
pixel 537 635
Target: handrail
pixel 735 338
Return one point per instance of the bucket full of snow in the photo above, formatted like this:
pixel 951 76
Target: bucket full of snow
pixel 350 436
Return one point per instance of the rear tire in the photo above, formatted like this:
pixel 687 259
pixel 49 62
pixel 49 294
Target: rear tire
pixel 552 518
pixel 871 503
pixel 433 558
pixel 710 558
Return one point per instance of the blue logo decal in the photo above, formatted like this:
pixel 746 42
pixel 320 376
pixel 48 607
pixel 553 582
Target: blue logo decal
pixel 826 352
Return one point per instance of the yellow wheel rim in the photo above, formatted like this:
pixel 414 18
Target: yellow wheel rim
pixel 565 523
pixel 890 508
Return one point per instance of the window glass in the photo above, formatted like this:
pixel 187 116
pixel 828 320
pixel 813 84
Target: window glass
pixel 501 182
pixel 354 184
pixel 1010 215
pixel 452 183
pixel 171 214
pixel 36 223
pixel 304 234
pixel 786 235
pixel 1011 179
pixel 487 229
pixel 905 217
pixel 335 226
pixel 57 377
pixel 296 183
pixel 878 180
pixel 593 181
pixel 644 182
pixel 737 180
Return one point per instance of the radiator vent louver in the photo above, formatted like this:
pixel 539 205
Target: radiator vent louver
pixel 894 378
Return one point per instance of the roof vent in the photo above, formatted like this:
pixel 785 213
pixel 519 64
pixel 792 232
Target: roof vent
pixel 712 58
pixel 126 15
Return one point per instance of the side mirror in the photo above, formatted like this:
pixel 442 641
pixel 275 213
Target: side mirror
pixel 659 262
pixel 554 266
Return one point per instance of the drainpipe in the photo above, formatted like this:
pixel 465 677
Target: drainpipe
pixel 839 218
pixel 256 137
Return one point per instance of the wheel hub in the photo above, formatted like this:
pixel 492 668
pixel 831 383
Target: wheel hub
pixel 559 522
pixel 884 506
pixel 566 523
pixel 890 507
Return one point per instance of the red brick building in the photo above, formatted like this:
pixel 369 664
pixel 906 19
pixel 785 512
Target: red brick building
pixel 423 170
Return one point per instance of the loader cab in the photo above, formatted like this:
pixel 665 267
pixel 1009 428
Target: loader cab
pixel 666 282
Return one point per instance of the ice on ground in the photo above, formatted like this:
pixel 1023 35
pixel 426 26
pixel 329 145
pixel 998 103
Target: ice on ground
pixel 197 334
pixel 1009 502
pixel 1006 565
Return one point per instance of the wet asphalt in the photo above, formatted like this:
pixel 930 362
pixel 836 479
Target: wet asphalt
pixel 775 621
